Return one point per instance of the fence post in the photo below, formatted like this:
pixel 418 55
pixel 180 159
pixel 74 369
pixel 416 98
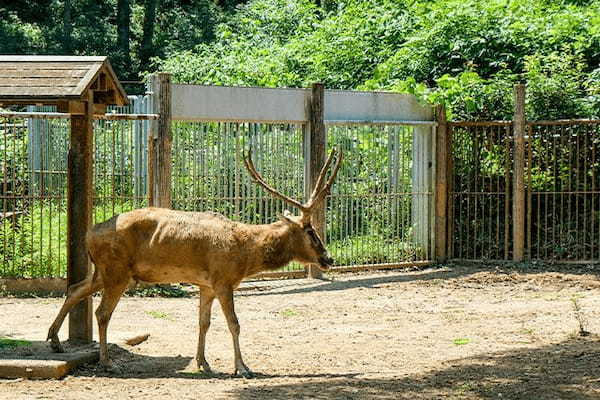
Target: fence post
pixel 80 190
pixel 441 185
pixel 519 174
pixel 159 143
pixel 316 159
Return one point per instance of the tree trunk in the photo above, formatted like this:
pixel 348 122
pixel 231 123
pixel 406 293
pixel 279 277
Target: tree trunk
pixel 123 21
pixel 67 28
pixel 146 47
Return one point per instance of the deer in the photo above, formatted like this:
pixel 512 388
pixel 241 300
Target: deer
pixel 207 249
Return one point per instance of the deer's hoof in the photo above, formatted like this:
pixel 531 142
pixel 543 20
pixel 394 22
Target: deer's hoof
pixel 244 372
pixel 205 368
pixel 110 368
pixel 56 346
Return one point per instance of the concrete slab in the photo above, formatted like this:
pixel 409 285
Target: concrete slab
pixel 35 360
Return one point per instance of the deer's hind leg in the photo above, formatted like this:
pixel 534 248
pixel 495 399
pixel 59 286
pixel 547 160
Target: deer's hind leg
pixel 75 294
pixel 115 285
pixel 225 296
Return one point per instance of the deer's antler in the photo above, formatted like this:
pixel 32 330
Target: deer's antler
pixel 259 179
pixel 319 192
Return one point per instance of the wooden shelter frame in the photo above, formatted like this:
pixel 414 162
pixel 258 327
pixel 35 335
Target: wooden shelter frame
pixel 80 88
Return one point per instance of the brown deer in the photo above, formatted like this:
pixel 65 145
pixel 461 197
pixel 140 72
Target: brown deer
pixel 204 248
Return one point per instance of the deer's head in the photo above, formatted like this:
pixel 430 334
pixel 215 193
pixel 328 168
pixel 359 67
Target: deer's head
pixel 308 245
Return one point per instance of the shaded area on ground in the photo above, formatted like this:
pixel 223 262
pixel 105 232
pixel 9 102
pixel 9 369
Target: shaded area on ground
pixel 547 372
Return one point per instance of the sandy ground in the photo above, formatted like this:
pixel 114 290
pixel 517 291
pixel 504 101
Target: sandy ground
pixel 453 332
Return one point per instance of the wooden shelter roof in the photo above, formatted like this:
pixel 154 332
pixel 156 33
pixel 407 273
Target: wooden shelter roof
pixel 51 79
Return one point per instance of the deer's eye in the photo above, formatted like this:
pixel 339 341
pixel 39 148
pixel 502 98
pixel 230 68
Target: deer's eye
pixel 312 235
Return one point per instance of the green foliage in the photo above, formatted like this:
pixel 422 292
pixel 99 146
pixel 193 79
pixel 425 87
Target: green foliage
pixel 467 55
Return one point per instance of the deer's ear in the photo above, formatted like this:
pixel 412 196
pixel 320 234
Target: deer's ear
pixel 285 217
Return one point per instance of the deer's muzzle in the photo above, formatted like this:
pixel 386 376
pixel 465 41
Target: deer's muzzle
pixel 325 262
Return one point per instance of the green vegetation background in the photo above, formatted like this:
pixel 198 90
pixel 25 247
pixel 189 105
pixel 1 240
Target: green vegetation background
pixel 465 53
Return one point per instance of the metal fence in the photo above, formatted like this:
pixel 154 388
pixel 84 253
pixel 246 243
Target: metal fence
pixel 562 190
pixel 480 190
pixel 33 196
pixel 208 173
pixel 369 214
pixel 33 165
pixel 375 213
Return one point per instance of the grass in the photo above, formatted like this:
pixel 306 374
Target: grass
pixel 159 315
pixel 288 313
pixel 33 244
pixel 373 249
pixel 6 343
pixel 461 341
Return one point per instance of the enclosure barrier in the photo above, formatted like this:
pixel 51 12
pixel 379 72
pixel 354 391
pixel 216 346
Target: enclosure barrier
pixel 380 213
pixel 33 190
pixel 411 190
pixel 528 196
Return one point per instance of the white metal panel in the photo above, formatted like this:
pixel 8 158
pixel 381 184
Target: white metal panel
pixel 228 103
pixel 221 103
pixel 345 105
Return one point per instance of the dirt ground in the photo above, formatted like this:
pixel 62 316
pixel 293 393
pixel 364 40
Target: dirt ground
pixel 459 332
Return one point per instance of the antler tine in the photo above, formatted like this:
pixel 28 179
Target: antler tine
pixel 322 174
pixel 325 189
pixel 259 179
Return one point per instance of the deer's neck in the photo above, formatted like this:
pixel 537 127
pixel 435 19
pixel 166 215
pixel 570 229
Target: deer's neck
pixel 274 247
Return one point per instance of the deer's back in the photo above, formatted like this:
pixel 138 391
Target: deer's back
pixel 161 245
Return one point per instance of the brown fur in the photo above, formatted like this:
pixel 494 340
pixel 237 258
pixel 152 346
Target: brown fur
pixel 204 248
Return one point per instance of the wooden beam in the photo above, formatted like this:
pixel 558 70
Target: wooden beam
pixel 99 109
pixel 441 186
pixel 72 107
pixel 79 216
pixel 160 142
pixel 316 147
pixel 519 174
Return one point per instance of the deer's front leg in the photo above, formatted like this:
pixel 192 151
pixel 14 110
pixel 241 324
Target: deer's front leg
pixel 226 300
pixel 206 300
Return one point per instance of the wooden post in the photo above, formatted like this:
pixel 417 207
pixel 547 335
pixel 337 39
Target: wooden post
pixel 316 152
pixel 441 185
pixel 519 174
pixel 79 213
pixel 159 144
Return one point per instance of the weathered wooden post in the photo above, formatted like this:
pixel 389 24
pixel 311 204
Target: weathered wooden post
pixel 441 186
pixel 519 174
pixel 317 142
pixel 79 211
pixel 159 142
